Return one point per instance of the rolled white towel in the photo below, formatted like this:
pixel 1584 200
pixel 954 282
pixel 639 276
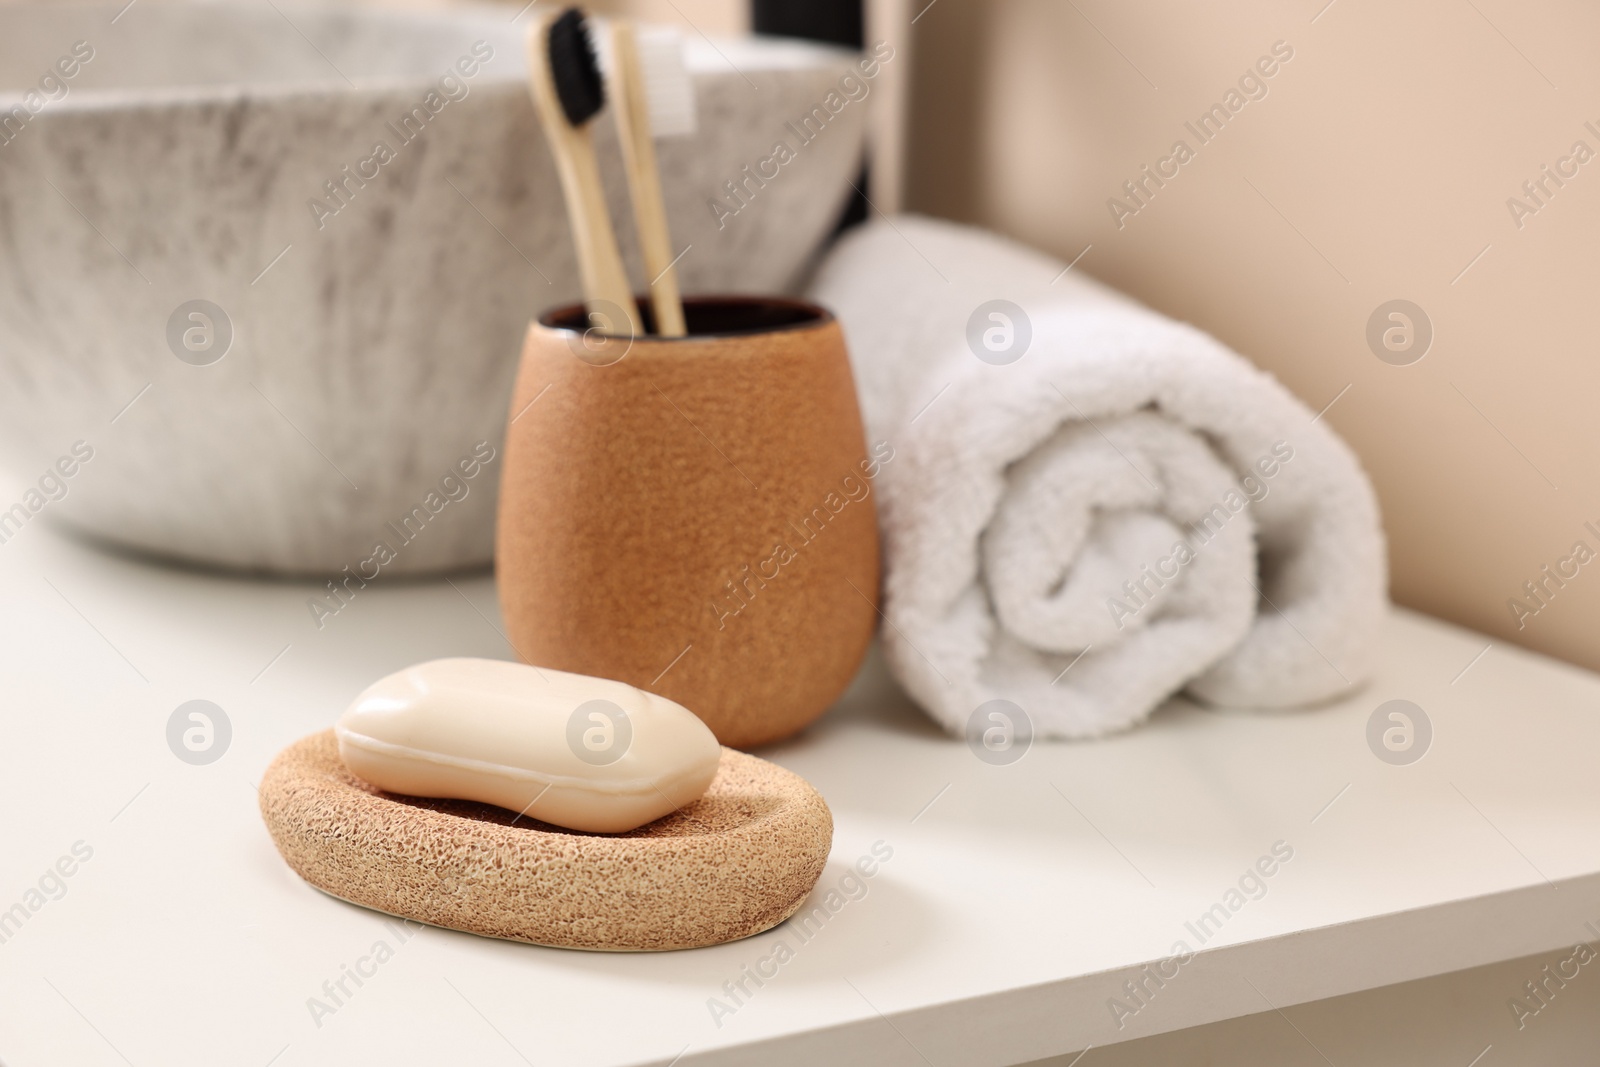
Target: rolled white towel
pixel 1127 510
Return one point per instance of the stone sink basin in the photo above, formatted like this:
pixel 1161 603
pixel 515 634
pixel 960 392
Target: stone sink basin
pixel 270 267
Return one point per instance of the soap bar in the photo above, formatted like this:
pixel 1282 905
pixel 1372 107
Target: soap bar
pixel 584 753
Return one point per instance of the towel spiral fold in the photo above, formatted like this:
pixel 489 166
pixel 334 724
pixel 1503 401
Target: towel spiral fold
pixel 1093 507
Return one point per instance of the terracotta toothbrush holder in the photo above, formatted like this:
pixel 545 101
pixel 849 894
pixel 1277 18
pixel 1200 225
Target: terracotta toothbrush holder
pixel 694 516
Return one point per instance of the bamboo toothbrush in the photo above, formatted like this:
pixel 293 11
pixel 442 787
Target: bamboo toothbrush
pixel 568 92
pixel 653 98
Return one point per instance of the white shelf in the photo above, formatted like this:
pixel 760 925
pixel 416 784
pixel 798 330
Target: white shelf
pixel 1017 901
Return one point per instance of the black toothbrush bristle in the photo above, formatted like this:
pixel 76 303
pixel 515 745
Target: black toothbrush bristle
pixel 574 68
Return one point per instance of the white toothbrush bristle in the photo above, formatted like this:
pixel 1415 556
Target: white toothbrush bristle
pixel 668 89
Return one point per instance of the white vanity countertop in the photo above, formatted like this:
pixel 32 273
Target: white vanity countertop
pixel 1016 902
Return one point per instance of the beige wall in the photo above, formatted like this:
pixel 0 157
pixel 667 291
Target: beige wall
pixel 1377 167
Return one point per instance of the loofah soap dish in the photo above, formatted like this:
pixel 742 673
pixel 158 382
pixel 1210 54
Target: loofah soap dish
pixel 734 863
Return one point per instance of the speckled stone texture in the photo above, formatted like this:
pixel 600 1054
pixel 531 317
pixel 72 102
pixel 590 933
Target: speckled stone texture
pixel 696 519
pixel 738 861
pixel 380 348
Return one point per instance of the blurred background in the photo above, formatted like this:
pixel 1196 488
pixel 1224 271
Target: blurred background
pixel 1379 165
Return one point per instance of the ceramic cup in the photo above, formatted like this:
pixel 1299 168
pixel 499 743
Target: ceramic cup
pixel 694 516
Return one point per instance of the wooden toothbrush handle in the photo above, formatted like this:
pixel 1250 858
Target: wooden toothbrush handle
pixel 644 181
pixel 605 280
pixel 604 276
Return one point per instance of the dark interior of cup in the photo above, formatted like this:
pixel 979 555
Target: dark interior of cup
pixel 707 316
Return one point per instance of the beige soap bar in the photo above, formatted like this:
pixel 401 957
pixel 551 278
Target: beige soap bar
pixel 585 753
